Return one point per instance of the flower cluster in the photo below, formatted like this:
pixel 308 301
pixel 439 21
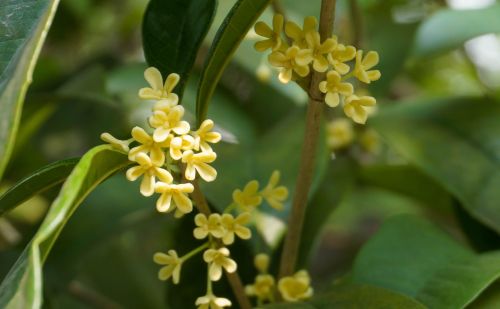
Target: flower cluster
pixel 292 289
pixel 340 134
pixel 309 51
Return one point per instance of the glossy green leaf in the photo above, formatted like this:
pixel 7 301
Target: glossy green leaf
pixel 23 28
pixel 41 180
pixel 339 179
pixel 448 29
pixel 232 31
pixel 455 142
pixel 355 296
pixel 22 288
pixel 172 33
pixel 411 256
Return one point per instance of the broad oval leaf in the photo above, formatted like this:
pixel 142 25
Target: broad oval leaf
pixel 172 33
pixel 234 28
pixel 455 142
pixel 449 29
pixel 411 256
pixel 22 287
pixel 41 180
pixel 23 28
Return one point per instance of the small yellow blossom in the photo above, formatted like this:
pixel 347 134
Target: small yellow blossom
pixel 363 65
pixel 320 50
pixel 178 144
pixel 176 192
pixel 115 143
pixel 299 35
pixel 263 72
pixel 249 197
pixel 172 266
pixel 340 133
pixel 261 262
pixel 210 301
pixel 296 288
pixel 165 123
pixel 333 86
pixel 292 60
pixel 236 226
pixel 262 288
pixel 218 259
pixel 205 135
pixel 273 194
pixel 158 89
pixel 150 172
pixel 273 36
pixel 198 163
pixel 356 107
pixel 164 105
pixel 148 145
pixel 370 141
pixel 208 226
pixel 340 55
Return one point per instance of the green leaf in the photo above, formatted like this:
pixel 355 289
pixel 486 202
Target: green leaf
pixel 449 29
pixel 23 285
pixel 352 296
pixel 172 33
pixel 411 256
pixel 337 182
pixel 232 31
pixel 455 142
pixel 24 26
pixel 41 180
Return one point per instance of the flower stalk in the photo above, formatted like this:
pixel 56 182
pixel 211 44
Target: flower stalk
pixel 308 156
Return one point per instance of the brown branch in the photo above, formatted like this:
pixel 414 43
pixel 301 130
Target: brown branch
pixel 357 23
pixel 313 122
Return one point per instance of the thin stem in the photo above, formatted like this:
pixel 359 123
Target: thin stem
pixel 313 121
pixel 194 251
pixel 357 23
pixel 233 278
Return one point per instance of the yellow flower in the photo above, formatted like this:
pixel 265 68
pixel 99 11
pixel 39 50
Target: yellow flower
pixel 115 143
pixel 339 133
pixel 263 287
pixel 159 90
pixel 263 72
pixel 370 141
pixel 356 107
pixel 293 59
pixel 275 195
pixel 164 105
pixel 319 50
pixel 296 288
pixel 210 301
pixel 205 135
pixel 179 143
pixel 273 36
pixel 249 197
pixel 208 226
pixel 299 35
pixel 198 163
pixel 363 65
pixel 236 226
pixel 173 265
pixel 148 146
pixel 261 262
pixel 333 86
pixel 177 192
pixel 165 123
pixel 218 259
pixel 150 172
pixel 339 55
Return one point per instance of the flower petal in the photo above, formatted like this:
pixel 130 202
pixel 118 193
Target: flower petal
pixel 154 78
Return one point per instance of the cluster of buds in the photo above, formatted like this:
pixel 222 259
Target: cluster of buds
pixel 292 288
pixel 170 147
pixel 340 134
pixel 307 51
